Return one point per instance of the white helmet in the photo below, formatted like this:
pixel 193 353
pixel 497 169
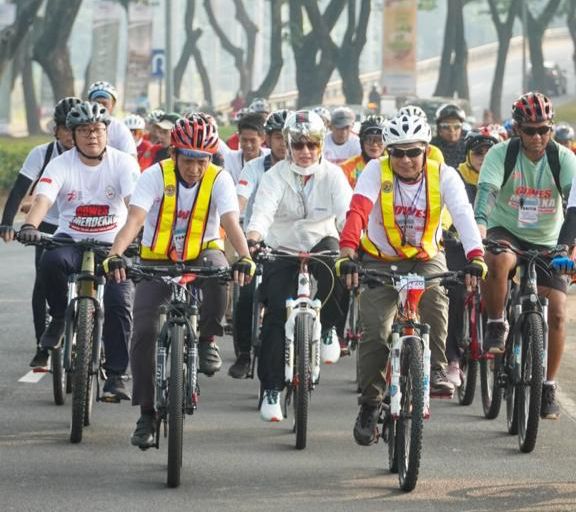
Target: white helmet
pixel 404 129
pixel 304 124
pixel 324 113
pixel 134 122
pixel 259 105
pixel 101 87
pixel 412 110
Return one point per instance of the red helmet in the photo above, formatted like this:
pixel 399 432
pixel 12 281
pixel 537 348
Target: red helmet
pixel 532 107
pixel 196 135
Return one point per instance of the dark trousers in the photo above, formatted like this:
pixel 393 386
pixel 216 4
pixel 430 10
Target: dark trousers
pixel 243 318
pixel 279 282
pixel 150 296
pixel 55 267
pixel 455 260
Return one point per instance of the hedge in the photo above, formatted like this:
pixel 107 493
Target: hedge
pixel 13 152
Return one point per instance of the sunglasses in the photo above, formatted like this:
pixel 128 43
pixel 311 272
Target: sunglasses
pixel 531 130
pixel 299 146
pixel 401 153
pixel 450 126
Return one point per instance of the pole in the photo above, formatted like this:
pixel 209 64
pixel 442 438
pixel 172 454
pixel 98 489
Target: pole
pixel 169 73
pixel 524 20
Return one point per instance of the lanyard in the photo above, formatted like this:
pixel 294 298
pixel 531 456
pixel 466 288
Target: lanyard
pixel 414 200
pixel 539 172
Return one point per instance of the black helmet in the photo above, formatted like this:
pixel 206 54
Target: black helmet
pixel 372 125
pixel 450 110
pixel 63 107
pixel 275 121
pixel 87 112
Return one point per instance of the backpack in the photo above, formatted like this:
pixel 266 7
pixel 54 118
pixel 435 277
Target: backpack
pixel 47 157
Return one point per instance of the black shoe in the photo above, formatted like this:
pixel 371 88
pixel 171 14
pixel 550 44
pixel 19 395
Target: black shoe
pixel 209 355
pixel 366 426
pixel 114 389
pixel 241 368
pixel 550 409
pixel 495 337
pixel 143 436
pixel 51 336
pixel 41 358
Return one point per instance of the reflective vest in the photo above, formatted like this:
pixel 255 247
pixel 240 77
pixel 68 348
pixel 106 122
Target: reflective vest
pixel 161 247
pixel 428 247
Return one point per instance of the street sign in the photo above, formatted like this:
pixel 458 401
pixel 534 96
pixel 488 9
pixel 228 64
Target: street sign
pixel 158 63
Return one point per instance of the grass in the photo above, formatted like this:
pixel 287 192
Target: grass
pixel 567 113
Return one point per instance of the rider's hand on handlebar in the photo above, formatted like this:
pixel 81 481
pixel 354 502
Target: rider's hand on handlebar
pixel 563 264
pixel 254 246
pixel 115 268
pixel 7 233
pixel 347 268
pixel 474 270
pixel 29 234
pixel 243 270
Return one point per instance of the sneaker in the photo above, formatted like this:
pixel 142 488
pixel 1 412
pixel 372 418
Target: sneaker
pixel 454 374
pixel 209 355
pixel 51 336
pixel 271 410
pixel 114 389
pixel 440 386
pixel 330 347
pixel 241 368
pixel 366 426
pixel 495 337
pixel 41 358
pixel 143 436
pixel 550 409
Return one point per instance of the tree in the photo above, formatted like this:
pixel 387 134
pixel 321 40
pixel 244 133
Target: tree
pixel 51 49
pixel 504 32
pixel 571 22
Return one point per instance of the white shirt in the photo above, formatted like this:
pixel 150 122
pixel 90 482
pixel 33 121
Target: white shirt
pixel 150 191
pixel 338 154
pixel 120 137
pixel 234 162
pixel 292 215
pixel 248 184
pixel 91 200
pixel 410 208
pixel 31 169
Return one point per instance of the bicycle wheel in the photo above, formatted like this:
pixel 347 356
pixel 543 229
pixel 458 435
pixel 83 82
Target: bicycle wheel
pixel 175 405
pixel 490 387
pixel 511 407
pixel 529 390
pixel 58 376
pixel 82 363
pixel 468 364
pixel 389 437
pixel 410 423
pixel 302 377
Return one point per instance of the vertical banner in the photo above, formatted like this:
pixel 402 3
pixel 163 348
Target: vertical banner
pixel 399 47
pixel 105 32
pixel 139 56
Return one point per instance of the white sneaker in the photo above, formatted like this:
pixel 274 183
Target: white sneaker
pixel 330 347
pixel 454 374
pixel 270 410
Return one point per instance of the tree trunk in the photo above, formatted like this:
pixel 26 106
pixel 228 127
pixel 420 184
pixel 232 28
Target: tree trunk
pixel 32 119
pixel 571 22
pixel 445 78
pixel 460 65
pixel 204 78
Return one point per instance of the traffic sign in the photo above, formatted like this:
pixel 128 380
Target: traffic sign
pixel 158 63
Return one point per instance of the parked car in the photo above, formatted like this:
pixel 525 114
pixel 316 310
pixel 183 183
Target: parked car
pixel 556 82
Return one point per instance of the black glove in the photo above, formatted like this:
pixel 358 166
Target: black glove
pixel 346 266
pixel 245 266
pixel 29 234
pixel 476 267
pixel 113 263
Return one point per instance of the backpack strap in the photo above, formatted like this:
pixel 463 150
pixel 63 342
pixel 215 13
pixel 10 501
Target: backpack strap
pixel 553 156
pixel 510 159
pixel 47 158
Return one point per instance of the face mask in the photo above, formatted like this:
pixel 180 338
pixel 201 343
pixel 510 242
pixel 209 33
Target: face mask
pixel 304 171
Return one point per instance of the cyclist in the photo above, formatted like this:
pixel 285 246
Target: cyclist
pixel 162 130
pixel 119 135
pixel 324 113
pixel 340 143
pixel 524 207
pixel 397 202
pixel 90 184
pixel 564 134
pixel 181 202
pixel 31 172
pixel 246 190
pixel 299 204
pixel 151 119
pixel 372 145
pixel 136 125
pixel 450 136
pixel 258 106
pixel 414 110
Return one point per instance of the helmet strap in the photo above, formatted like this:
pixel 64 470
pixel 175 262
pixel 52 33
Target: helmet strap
pixel 99 157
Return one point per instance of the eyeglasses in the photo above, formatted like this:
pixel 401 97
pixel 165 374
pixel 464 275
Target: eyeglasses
pixel 85 131
pixel 450 126
pixel 299 146
pixel 374 139
pixel 533 130
pixel 401 153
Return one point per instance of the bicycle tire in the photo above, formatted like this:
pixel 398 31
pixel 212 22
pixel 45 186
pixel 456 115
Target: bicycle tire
pixel 410 424
pixel 390 438
pixel 532 377
pixel 490 387
pixel 467 389
pixel 511 408
pixel 175 405
pixel 82 363
pixel 59 376
pixel 303 376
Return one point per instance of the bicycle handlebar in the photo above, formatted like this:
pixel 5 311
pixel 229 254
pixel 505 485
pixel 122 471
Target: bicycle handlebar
pixel 500 246
pixel 137 272
pixel 267 254
pixel 449 278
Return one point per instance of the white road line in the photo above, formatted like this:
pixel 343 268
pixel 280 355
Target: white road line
pixel 32 377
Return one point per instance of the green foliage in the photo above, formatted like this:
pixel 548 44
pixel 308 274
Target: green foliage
pixel 427 5
pixel 13 152
pixel 566 113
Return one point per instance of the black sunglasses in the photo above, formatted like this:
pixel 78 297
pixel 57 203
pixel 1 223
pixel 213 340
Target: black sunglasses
pixel 401 153
pixel 299 146
pixel 540 130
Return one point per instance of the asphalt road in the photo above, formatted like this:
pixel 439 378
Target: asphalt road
pixel 235 462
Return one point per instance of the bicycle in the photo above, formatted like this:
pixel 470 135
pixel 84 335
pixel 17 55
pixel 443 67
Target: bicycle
pixel 303 332
pixel 407 401
pixel 177 387
pixel 519 373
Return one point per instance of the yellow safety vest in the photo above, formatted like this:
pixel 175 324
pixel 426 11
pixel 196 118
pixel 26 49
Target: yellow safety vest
pixel 428 246
pixel 161 246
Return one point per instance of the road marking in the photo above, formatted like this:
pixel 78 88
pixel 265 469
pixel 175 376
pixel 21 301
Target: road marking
pixel 32 377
